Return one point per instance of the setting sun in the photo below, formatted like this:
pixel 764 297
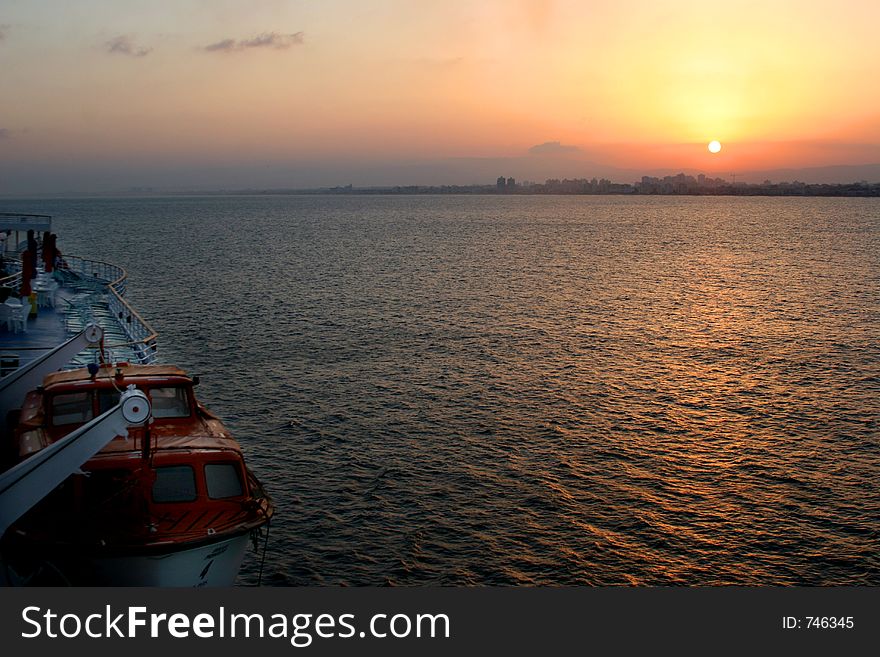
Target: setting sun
pixel 170 98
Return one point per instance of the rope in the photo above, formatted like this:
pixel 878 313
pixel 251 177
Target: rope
pixel 263 559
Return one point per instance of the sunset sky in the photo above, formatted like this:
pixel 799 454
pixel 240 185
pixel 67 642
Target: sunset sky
pixel 100 95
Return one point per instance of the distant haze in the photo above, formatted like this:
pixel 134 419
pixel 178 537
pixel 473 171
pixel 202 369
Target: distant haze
pixel 460 171
pixel 103 96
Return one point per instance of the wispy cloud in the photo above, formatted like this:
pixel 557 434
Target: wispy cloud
pixel 552 148
pixel 225 45
pixel 5 133
pixel 272 40
pixel 123 45
pixel 3 30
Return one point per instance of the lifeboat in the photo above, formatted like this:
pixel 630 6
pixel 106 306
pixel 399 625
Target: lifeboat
pixel 169 503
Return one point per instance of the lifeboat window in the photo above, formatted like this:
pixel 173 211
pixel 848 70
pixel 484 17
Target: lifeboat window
pixel 223 480
pixel 107 399
pixel 169 402
pixel 71 408
pixel 174 483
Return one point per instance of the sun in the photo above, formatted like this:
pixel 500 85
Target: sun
pixel 714 146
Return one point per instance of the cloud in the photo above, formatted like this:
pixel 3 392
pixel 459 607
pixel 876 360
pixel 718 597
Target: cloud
pixel 272 40
pixel 3 30
pixel 226 45
pixel 122 45
pixel 553 148
pixel 5 133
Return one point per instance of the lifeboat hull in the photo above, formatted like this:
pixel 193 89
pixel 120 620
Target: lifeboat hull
pixel 210 564
pixel 215 564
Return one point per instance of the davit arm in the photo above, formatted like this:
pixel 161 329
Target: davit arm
pixel 13 387
pixel 25 484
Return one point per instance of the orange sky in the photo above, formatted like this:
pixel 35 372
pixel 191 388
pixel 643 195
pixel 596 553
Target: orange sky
pixel 635 84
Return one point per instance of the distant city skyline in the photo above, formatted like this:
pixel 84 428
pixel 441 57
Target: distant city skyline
pixel 462 172
pixel 102 96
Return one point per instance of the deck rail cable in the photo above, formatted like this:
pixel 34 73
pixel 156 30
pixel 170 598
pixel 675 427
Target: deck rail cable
pixel 12 280
pixel 136 337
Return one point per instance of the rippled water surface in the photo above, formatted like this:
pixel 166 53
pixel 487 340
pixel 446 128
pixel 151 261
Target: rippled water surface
pixel 514 390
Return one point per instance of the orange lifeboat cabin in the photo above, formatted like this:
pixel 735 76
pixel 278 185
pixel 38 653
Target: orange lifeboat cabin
pixel 170 504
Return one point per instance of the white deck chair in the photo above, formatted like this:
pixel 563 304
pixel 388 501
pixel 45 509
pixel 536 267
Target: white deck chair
pixel 20 312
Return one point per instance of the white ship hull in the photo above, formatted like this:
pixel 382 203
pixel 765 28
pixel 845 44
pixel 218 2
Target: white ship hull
pixel 216 564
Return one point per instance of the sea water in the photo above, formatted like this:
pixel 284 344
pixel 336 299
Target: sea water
pixel 491 390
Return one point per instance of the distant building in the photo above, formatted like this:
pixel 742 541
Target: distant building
pixel 511 184
pixel 501 183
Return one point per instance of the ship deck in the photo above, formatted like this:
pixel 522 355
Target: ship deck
pixel 45 332
pixel 78 301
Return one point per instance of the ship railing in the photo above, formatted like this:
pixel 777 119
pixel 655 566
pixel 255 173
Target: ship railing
pixel 12 280
pixel 104 276
pixel 142 336
pixel 102 273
